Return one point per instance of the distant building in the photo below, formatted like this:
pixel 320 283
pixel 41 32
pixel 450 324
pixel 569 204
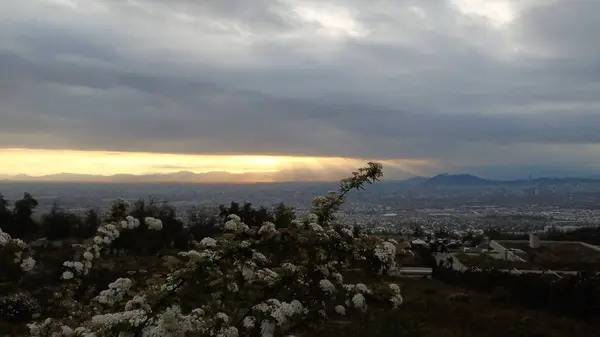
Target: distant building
pixel 534 240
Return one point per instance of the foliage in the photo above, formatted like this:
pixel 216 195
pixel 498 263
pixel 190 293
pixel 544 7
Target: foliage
pixel 248 214
pixel 258 272
pixel 18 222
pixel 59 224
pixel 202 222
pixel 249 280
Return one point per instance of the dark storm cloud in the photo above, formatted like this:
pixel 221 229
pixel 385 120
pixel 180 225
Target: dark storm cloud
pixel 395 79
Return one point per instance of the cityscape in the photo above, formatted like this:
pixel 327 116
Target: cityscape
pixel 292 168
pixel 389 206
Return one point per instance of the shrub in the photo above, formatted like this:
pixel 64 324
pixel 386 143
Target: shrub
pixel 19 307
pixel 260 279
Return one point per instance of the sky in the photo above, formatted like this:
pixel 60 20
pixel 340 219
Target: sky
pixel 498 88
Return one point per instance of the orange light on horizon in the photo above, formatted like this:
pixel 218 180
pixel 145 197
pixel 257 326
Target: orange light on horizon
pixel 38 162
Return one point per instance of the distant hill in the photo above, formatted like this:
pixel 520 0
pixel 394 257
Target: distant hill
pixel 457 179
pixel 417 179
pixel 184 177
pixel 471 180
pixel 292 175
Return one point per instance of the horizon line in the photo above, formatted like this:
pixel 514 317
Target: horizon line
pixel 40 179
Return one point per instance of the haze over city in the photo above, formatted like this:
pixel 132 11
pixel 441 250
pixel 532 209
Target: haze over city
pixel 497 88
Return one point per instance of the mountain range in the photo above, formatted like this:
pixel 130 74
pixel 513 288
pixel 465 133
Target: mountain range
pixel 471 180
pixel 291 175
pixel 281 176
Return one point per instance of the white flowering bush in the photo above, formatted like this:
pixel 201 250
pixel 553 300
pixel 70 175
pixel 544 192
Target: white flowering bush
pixel 247 281
pixel 16 258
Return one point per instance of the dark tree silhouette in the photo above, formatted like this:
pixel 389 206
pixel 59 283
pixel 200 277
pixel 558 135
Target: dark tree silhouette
pixel 6 216
pixel 59 224
pixel 249 215
pixel 284 215
pixel 90 224
pixel 24 225
pixel 202 223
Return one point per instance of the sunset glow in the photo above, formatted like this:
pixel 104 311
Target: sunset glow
pixel 36 162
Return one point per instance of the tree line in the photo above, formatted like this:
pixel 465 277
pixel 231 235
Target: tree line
pixel 61 224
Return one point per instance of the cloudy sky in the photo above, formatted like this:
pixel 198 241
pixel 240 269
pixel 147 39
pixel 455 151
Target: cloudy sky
pixel 499 88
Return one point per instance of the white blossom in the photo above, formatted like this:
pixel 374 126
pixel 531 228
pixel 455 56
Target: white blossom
pixel 359 302
pixel 153 224
pixel 234 217
pixel 249 322
pixel 28 264
pixel 208 242
pixel 396 300
pixel 267 228
pixel 88 255
pixel 327 286
pixel 337 277
pixel 240 262
pixel 348 232
pixel 67 275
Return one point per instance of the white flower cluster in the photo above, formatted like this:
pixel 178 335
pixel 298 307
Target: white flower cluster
pixel 315 227
pixel 267 275
pixel 153 224
pixel 235 225
pixel 356 295
pixel 205 255
pixel 105 235
pixel 290 267
pixel 312 218
pixel 274 313
pixel 46 327
pixel 386 253
pixel 359 301
pixel 115 292
pixel 348 231
pixel 244 262
pixel 130 223
pixel 340 310
pixel 171 322
pixel 267 228
pixel 4 238
pixel 208 242
pixel 138 302
pixel 43 328
pixel 337 277
pixel 109 233
pixel 396 296
pixel 327 286
pixel 78 267
pixel 25 263
pixel 297 223
pixel 107 321
pixel 259 257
